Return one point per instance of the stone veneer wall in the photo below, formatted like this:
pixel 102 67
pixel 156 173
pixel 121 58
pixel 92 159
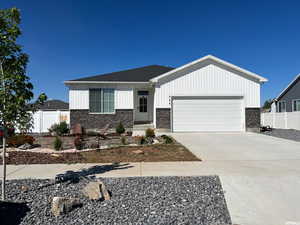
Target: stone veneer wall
pixel 163 118
pixel 252 119
pixel 99 121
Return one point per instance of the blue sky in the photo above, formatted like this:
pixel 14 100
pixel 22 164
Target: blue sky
pixel 69 39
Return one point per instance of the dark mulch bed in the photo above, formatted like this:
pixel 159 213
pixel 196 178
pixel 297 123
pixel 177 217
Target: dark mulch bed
pixel 140 200
pixel 289 134
pixel 151 153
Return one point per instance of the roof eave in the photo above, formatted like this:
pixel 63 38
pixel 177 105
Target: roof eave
pixel 105 82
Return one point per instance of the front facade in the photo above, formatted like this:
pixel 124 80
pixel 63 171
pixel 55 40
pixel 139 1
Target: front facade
pixel 208 94
pixel 289 99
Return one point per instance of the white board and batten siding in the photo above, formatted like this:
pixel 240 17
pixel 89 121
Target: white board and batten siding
pixel 208 80
pixel 79 96
pixel 215 113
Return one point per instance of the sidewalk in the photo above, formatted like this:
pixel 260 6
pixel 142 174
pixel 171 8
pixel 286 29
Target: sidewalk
pixel 48 171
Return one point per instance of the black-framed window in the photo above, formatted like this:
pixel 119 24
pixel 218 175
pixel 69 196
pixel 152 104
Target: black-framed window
pixel 143 103
pixel 296 105
pixel 281 106
pixel 102 100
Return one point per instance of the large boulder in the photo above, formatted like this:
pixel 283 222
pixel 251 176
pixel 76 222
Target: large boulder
pixel 96 191
pixel 62 205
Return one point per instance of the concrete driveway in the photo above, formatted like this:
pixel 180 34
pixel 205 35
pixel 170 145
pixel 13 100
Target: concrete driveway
pixel 260 174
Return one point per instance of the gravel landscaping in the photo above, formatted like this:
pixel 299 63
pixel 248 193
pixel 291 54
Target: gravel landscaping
pixel 141 200
pixel 289 134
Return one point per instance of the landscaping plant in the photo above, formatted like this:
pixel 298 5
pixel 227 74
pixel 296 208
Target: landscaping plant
pixel 78 143
pixel 57 143
pixel 59 128
pixel 120 129
pixel 15 87
pixel 141 140
pixel 150 133
pixel 20 139
pixel 123 140
pixel 167 139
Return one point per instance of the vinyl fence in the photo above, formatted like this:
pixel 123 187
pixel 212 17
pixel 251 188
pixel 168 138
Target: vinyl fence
pixel 285 120
pixel 43 120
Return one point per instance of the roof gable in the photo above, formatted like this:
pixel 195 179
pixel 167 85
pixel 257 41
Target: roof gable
pixel 296 79
pixel 216 60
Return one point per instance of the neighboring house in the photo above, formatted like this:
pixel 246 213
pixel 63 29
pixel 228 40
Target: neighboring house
pixel 208 94
pixel 289 99
pixel 54 105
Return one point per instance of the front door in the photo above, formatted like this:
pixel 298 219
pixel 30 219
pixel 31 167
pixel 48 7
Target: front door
pixel 142 106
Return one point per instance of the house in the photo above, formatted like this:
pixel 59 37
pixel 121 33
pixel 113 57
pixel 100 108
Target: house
pixel 54 105
pixel 208 94
pixel 289 99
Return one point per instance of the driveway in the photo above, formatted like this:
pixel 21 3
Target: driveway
pixel 260 174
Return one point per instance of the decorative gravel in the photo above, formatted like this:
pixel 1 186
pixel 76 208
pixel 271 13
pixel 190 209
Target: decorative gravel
pixel 289 134
pixel 140 200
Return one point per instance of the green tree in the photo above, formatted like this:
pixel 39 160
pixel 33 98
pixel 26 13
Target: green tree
pixel 15 88
pixel 267 104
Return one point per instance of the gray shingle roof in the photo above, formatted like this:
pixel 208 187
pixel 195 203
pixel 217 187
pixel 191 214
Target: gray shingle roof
pixel 141 74
pixel 54 105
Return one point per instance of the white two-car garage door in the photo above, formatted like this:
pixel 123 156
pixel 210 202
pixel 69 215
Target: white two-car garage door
pixel 191 114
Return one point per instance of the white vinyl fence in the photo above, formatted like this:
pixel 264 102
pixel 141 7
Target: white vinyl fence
pixel 284 120
pixel 43 120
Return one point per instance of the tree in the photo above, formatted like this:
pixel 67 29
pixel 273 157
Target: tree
pixel 267 104
pixel 15 88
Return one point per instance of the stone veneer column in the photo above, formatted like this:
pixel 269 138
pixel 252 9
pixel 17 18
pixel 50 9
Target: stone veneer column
pixel 163 118
pixel 252 116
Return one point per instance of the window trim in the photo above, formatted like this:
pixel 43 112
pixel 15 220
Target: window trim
pixel 293 105
pixel 103 113
pixel 279 104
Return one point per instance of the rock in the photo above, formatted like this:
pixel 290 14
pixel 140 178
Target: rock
pixel 138 152
pixel 25 146
pixel 55 155
pixel 155 141
pixel 96 191
pixel 67 176
pixel 62 205
pixel 24 188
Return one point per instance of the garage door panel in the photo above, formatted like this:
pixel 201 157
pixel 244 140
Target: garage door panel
pixel 207 114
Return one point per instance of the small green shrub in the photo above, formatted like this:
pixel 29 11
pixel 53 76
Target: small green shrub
pixel 167 139
pixel 57 143
pixel 123 140
pixel 120 128
pixel 59 128
pixel 150 133
pixel 78 143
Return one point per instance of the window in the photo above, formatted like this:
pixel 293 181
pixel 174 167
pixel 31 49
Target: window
pixel 281 107
pixel 296 105
pixel 102 100
pixel 143 103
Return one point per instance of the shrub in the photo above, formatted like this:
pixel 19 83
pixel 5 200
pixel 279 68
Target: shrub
pixel 120 128
pixel 57 143
pixel 167 139
pixel 78 143
pixel 123 140
pixel 60 128
pixel 141 140
pixel 150 133
pixel 17 140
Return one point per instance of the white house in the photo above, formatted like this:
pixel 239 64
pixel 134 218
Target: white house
pixel 208 94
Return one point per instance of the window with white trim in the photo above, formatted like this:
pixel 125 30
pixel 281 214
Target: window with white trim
pixel 281 106
pixel 296 105
pixel 102 100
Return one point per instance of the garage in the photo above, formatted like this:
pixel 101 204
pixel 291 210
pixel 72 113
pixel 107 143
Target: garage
pixel 207 113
